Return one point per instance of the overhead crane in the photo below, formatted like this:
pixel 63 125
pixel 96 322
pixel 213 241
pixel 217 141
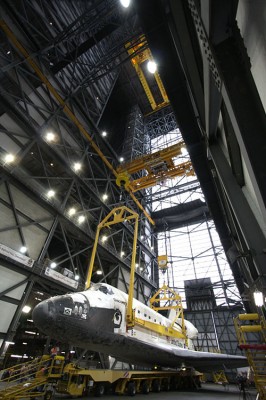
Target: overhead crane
pixel 159 166
pixel 139 54
pixel 29 59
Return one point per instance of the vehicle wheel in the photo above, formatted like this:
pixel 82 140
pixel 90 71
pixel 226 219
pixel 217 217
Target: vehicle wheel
pixel 48 395
pixel 156 385
pixel 131 389
pixel 145 387
pixel 99 390
pixel 166 385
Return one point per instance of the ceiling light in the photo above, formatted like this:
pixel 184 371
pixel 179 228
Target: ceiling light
pixel 25 343
pixel 71 211
pixel 77 166
pixel 122 253
pixel 121 159
pixel 104 238
pixel 105 196
pixel 50 193
pixel 184 151
pixel 99 272
pixel 53 265
pixel 125 3
pixel 26 309
pixel 152 67
pixel 8 52
pixel 52 164
pixel 81 219
pixel 9 158
pixel 76 277
pixel 104 133
pixel 7 342
pixel 137 265
pixel 258 298
pixel 23 249
pixel 50 136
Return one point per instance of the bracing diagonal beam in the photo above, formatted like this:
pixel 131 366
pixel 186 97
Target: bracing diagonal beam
pixel 65 108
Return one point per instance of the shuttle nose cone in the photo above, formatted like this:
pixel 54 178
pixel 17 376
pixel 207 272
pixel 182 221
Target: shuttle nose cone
pixel 43 315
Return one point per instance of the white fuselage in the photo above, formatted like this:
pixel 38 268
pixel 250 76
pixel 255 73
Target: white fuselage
pixel 109 297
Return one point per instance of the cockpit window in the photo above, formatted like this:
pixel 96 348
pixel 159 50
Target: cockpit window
pixel 101 288
pixel 105 290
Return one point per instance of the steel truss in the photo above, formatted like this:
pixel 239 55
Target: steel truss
pixel 84 79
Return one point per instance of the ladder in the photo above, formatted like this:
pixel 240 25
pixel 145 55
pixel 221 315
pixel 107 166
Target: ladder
pixel 247 325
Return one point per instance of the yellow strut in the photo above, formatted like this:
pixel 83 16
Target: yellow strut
pixel 65 108
pixel 117 215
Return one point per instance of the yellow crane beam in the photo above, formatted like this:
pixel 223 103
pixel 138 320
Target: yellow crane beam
pixel 152 179
pixel 139 57
pixel 159 167
pixel 66 108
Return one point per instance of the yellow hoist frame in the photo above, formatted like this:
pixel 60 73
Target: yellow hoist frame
pixel 173 301
pixel 120 215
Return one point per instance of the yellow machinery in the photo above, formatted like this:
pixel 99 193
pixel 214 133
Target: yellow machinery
pixel 158 167
pixel 49 375
pixel 79 382
pixel 119 215
pixel 172 301
pixel 255 352
pixel 32 379
pixel 162 263
pixel 140 53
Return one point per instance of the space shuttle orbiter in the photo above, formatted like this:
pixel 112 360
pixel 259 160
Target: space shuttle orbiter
pixel 96 319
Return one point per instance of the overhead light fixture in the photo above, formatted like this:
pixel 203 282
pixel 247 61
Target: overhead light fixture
pixel 76 277
pixel 258 298
pixel 50 136
pixel 104 133
pixel 25 343
pixel 125 3
pixel 121 159
pixel 23 249
pixel 77 166
pixel 136 265
pixel 104 238
pixel 50 193
pixel 152 67
pixel 8 52
pixel 122 253
pixel 53 265
pixel 99 272
pixel 26 309
pixel 184 151
pixel 81 219
pixel 7 342
pixel 71 211
pixel 9 158
pixel 105 197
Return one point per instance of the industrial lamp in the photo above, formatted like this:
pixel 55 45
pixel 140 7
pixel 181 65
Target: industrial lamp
pixel 258 298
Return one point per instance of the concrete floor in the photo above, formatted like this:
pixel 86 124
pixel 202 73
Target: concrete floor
pixel 207 391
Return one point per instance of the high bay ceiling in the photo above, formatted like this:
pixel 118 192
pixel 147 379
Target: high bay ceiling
pixel 217 99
